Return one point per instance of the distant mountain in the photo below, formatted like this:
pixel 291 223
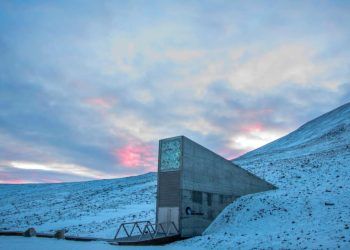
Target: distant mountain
pixel 310 208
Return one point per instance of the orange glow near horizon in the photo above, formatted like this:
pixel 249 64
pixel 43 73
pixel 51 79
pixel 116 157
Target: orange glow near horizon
pixel 15 181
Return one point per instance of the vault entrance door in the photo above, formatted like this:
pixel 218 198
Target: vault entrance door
pixel 166 215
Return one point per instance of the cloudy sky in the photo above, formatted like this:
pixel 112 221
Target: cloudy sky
pixel 87 88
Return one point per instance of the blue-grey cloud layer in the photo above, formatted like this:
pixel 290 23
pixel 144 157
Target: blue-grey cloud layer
pixel 92 85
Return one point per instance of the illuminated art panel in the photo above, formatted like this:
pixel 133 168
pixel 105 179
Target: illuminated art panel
pixel 170 155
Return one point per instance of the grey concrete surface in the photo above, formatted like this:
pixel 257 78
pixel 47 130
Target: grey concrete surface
pixel 198 184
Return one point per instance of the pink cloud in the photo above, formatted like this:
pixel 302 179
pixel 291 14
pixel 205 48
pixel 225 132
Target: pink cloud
pixel 137 156
pixel 230 154
pixel 14 181
pixel 99 102
pixel 255 127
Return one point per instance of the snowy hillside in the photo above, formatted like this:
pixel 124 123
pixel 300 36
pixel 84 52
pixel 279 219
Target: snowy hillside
pixel 327 132
pixel 311 208
pixel 94 208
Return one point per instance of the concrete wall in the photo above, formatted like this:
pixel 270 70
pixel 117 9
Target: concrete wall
pixel 208 184
pixel 169 189
pixel 169 180
pixel 201 187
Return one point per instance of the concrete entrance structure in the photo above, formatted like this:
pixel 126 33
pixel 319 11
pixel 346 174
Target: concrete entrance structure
pixel 195 185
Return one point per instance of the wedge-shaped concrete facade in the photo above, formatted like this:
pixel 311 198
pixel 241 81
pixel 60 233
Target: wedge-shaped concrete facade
pixel 195 185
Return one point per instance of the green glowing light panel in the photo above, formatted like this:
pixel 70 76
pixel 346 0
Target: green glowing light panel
pixel 170 154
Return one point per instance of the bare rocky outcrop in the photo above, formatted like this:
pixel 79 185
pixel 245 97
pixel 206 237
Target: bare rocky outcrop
pixel 30 232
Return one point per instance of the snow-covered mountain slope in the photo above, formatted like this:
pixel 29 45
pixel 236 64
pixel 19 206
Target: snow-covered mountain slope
pixel 310 208
pixel 327 132
pixel 93 208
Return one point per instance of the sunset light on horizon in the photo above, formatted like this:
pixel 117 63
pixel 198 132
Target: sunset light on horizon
pixel 88 88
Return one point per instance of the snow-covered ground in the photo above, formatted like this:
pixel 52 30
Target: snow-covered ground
pixel 22 243
pixel 93 208
pixel 310 208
